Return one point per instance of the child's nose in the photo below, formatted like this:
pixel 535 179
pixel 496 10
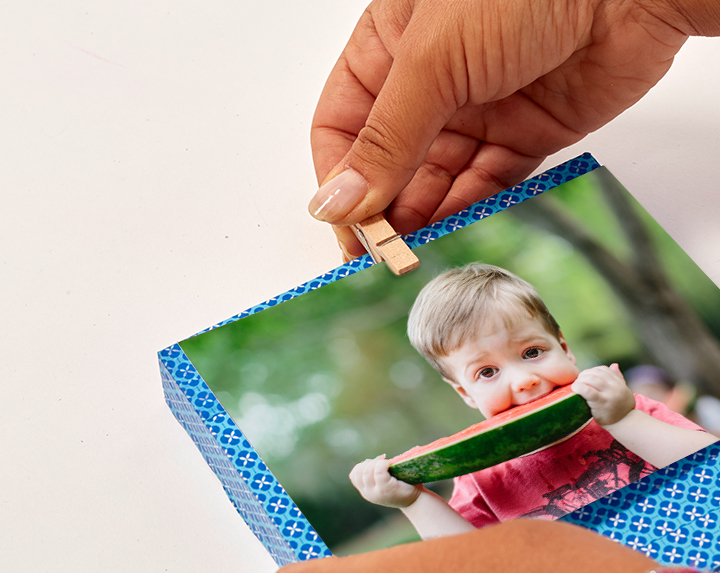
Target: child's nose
pixel 524 380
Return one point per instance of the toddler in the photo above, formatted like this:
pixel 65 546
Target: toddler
pixel 491 337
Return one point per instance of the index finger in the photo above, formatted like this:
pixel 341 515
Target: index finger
pixel 348 96
pixel 416 100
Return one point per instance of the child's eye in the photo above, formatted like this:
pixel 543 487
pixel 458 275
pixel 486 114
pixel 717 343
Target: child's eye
pixel 531 353
pixel 487 373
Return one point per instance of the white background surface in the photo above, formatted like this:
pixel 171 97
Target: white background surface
pixel 155 169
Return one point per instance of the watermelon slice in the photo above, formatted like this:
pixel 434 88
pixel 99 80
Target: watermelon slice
pixel 510 434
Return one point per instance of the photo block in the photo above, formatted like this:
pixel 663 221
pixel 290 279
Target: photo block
pixel 554 350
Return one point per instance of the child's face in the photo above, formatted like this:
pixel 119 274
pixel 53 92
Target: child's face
pixel 502 367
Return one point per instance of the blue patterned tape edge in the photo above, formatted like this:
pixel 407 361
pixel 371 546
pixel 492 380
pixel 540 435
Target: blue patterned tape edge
pixel 253 490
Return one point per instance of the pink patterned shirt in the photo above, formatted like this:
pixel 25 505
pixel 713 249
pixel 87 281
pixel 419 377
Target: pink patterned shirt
pixel 560 479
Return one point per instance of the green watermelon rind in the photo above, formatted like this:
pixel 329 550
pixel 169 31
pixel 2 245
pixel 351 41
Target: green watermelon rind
pixel 515 438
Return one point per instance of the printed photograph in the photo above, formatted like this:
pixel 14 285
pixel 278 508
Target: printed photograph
pixel 538 360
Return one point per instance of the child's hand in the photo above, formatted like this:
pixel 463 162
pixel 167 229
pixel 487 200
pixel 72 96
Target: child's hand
pixel 606 393
pixel 372 479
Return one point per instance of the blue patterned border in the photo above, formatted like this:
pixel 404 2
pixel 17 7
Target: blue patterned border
pixel 256 494
pixel 671 515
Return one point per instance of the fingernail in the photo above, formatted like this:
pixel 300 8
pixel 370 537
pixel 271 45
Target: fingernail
pixel 338 196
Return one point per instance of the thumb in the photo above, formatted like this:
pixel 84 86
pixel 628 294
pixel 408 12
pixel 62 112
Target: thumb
pixel 417 99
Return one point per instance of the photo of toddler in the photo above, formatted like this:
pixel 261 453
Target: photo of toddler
pixel 490 336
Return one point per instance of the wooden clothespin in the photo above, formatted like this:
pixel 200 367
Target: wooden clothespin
pixel 384 244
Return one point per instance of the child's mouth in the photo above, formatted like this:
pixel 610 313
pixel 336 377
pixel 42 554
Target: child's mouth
pixel 542 395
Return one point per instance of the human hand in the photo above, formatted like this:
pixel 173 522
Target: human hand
pixel 434 105
pixel 606 393
pixel 372 479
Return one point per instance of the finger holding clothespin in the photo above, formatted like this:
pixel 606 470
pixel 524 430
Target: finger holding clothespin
pixel 384 244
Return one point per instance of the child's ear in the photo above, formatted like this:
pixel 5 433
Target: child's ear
pixel 463 394
pixel 566 348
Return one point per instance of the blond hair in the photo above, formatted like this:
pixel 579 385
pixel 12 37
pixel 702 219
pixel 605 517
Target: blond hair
pixel 450 308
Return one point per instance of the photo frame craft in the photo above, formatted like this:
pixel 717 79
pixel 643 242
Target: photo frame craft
pixel 671 515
